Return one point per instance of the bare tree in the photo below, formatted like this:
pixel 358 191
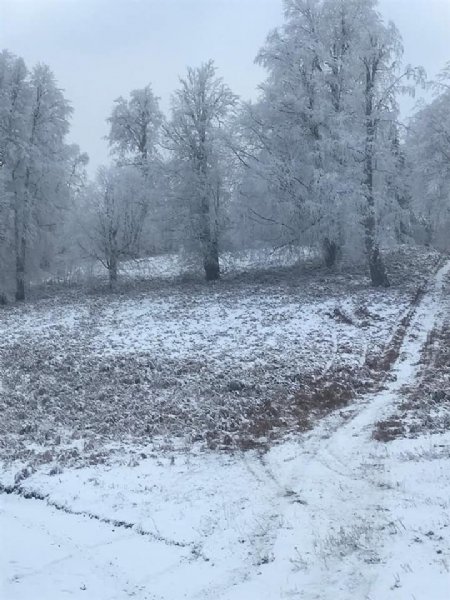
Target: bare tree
pixel 113 213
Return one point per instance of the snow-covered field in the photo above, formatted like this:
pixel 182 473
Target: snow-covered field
pixel 223 365
pixel 115 508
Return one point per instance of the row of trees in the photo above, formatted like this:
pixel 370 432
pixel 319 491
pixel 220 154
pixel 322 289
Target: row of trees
pixel 320 159
pixel 427 148
pixel 170 184
pixel 326 131
pixel 38 170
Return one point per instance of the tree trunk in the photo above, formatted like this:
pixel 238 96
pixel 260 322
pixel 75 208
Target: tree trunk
pixel 211 261
pixel 377 269
pixel 330 252
pixel 20 252
pixel 112 271
pixel 209 235
pixel 20 281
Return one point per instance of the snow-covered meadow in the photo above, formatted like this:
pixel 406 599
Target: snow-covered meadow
pixel 225 335
pixel 131 490
pixel 299 522
pixel 229 364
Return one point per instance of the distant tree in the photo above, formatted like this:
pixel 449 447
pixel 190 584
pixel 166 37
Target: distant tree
pixel 135 129
pixel 63 251
pixel 135 140
pixel 112 213
pixel 428 155
pixel 197 136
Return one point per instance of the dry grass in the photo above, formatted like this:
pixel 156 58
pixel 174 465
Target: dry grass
pixel 61 393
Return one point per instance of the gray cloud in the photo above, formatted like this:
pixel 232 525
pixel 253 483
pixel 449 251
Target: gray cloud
pixel 101 49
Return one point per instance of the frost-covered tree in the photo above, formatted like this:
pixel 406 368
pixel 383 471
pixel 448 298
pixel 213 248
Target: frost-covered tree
pixel 198 138
pixel 135 140
pixel 64 251
pixel 135 128
pixel 299 128
pixel 380 52
pixel 14 100
pixel 321 133
pixel 112 214
pixel 428 152
pixel 34 122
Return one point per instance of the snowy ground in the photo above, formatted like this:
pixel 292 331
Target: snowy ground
pixel 327 513
pixel 170 266
pixel 229 364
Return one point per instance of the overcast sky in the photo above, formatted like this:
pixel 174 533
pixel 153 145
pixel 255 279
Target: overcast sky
pixel 101 49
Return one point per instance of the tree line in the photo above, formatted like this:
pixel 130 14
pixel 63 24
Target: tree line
pixel 319 159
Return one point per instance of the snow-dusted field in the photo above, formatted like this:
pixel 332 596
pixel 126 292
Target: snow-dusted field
pixel 326 513
pixel 226 364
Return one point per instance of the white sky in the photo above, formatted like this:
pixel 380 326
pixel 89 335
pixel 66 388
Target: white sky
pixel 101 49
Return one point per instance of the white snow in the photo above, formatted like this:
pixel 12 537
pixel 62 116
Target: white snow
pixel 331 514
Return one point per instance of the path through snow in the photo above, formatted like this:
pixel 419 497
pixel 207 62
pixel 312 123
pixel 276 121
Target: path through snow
pixel 341 541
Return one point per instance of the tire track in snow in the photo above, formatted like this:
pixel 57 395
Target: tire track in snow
pixel 339 471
